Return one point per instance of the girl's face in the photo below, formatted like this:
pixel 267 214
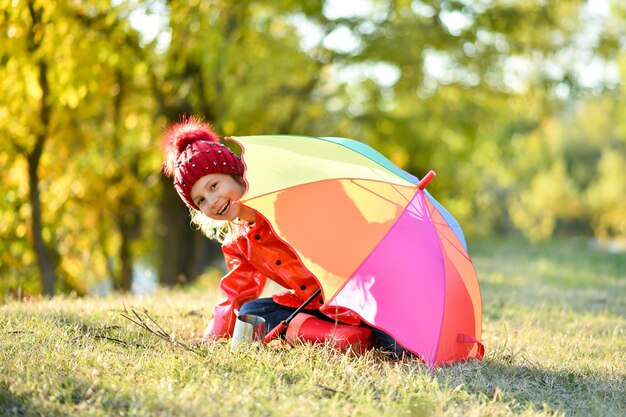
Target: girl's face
pixel 217 196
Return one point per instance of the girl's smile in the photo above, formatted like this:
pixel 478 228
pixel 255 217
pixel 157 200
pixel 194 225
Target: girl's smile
pixel 224 208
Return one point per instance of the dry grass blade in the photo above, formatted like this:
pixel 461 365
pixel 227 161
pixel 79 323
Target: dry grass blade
pixel 159 332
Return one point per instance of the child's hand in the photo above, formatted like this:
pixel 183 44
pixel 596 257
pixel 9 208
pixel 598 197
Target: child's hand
pixel 207 339
pixel 204 341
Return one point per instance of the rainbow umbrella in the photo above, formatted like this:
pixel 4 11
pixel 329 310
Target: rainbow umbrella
pixel 378 243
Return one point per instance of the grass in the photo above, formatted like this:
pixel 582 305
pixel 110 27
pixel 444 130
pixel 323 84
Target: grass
pixel 554 318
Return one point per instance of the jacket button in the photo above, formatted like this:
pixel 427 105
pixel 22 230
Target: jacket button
pixel 257 237
pixel 303 287
pixel 278 262
pixel 321 300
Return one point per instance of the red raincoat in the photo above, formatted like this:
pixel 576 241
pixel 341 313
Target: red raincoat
pixel 253 257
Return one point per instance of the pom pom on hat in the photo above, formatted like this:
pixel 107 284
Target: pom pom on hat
pixel 181 134
pixel 192 150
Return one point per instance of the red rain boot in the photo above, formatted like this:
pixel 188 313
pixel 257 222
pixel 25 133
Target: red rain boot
pixel 308 328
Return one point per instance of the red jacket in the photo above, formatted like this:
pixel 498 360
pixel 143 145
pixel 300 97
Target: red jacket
pixel 255 256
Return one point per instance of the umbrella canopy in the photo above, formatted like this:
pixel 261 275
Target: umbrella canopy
pixel 377 242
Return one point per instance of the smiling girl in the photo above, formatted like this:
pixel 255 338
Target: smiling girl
pixel 209 178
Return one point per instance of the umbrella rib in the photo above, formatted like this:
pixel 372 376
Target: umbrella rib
pixel 245 200
pixel 432 201
pixel 346 145
pixel 354 181
pixel 367 257
pixel 463 253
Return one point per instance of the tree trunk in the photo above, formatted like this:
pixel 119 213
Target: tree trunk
pixel 185 253
pixel 126 260
pixel 44 262
pixel 204 253
pixel 129 226
pixel 177 237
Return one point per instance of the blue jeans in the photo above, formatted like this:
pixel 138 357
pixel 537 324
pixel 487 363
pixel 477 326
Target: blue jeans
pixel 274 313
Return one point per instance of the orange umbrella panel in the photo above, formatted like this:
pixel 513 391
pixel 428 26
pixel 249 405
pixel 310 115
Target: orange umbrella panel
pixel 333 224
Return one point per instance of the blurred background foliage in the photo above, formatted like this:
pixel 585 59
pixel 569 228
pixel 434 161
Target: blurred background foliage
pixel 518 105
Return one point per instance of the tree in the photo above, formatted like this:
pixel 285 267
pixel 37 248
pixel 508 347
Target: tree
pixel 488 94
pixel 62 64
pixel 464 80
pixel 30 67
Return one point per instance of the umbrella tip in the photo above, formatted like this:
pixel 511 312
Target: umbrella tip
pixel 427 178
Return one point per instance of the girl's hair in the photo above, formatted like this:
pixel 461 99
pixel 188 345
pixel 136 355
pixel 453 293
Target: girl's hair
pixel 219 230
pixel 213 229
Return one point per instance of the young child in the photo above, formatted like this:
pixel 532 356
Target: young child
pixel 209 178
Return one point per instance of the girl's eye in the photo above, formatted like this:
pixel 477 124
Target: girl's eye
pixel 200 201
pixel 214 186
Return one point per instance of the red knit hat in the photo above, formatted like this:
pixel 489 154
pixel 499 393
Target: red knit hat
pixel 192 150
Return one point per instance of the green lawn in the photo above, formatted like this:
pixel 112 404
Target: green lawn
pixel 554 319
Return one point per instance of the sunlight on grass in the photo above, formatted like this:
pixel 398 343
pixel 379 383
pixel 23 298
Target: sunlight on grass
pixel 553 328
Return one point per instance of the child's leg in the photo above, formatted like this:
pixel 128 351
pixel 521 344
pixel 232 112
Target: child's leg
pixel 274 313
pixel 309 328
pixel 385 342
pixel 318 328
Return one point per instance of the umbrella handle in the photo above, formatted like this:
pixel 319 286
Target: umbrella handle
pixel 275 332
pixel 283 324
pixel 427 178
